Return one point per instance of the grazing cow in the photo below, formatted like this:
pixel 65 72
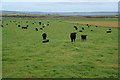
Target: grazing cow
pixel 83 37
pixel 36 29
pixel 40 23
pixel 91 30
pixel 18 25
pixel 80 30
pixel 45 41
pixel 47 24
pixel 96 26
pixel 1 25
pixel 41 28
pixel 75 27
pixel 83 28
pixel 25 27
pixel 73 36
pixel 108 31
pixel 44 35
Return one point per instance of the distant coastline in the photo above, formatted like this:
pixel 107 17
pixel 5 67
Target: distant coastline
pixel 62 13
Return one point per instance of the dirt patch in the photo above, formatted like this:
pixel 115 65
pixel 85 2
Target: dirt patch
pixel 97 23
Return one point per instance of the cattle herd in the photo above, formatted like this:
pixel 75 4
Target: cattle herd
pixel 44 35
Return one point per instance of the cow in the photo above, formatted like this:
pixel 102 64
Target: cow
pixel 108 31
pixel 96 26
pixel 83 28
pixel 73 36
pixel 83 37
pixel 47 24
pixel 40 23
pixel 25 27
pixel 18 25
pixel 44 35
pixel 75 27
pixel 41 28
pixel 36 29
pixel 80 30
pixel 91 30
pixel 1 25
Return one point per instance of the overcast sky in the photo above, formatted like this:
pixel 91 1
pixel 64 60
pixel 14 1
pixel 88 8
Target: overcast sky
pixel 61 5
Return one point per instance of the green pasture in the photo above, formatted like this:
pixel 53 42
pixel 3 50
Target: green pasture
pixel 25 56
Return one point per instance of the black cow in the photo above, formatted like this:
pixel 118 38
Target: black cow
pixel 73 36
pixel 36 29
pixel 47 24
pixel 44 35
pixel 75 27
pixel 41 28
pixel 25 27
pixel 96 26
pixel 83 28
pixel 40 23
pixel 1 25
pixel 83 37
pixel 18 25
pixel 108 31
pixel 80 30
pixel 91 30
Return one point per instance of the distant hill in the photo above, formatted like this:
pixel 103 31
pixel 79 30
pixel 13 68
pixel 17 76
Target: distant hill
pixel 63 13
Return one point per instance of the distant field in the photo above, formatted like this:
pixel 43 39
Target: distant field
pixel 25 56
pixel 97 23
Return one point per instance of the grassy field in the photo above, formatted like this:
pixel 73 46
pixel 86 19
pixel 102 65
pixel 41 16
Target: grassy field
pixel 25 56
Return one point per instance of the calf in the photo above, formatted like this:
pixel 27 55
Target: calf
pixel 44 35
pixel 83 37
pixel 73 36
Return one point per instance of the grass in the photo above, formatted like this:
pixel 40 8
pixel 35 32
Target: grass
pixel 25 56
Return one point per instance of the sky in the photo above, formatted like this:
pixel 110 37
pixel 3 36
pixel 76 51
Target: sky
pixel 60 5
